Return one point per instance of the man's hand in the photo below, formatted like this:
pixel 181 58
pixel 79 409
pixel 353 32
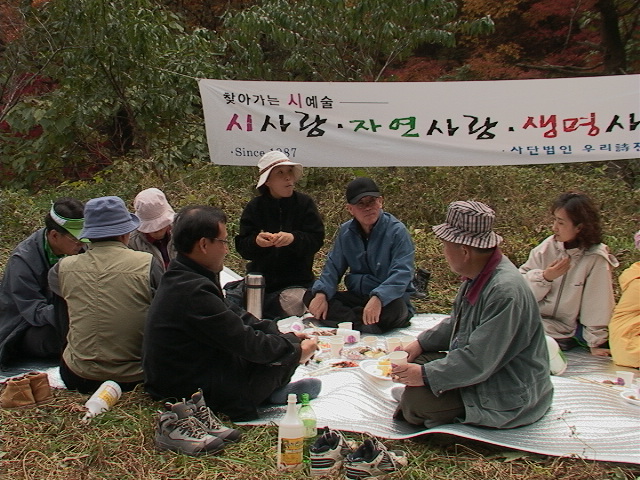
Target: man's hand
pixel 371 311
pixel 319 306
pixel 309 347
pixel 600 352
pixel 414 350
pixel 409 374
pixel 556 269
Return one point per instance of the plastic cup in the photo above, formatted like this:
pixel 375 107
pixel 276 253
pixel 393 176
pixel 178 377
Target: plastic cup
pixel 406 340
pixel 394 343
pixel 335 344
pixel 627 377
pixel 346 325
pixel 370 341
pixel 399 357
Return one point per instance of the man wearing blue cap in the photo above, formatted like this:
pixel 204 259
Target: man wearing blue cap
pixel 108 291
pixel 33 321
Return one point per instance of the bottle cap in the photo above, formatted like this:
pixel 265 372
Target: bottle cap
pixel 304 398
pixel 292 398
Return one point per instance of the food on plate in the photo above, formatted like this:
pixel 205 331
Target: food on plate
pixel 320 332
pixel 359 353
pixel 344 364
pixel 384 367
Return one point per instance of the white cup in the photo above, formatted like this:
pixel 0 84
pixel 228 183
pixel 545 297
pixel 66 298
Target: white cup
pixel 406 340
pixel 336 343
pixel 399 357
pixel 370 341
pixel 349 336
pixel 393 343
pixel 627 377
pixel 346 325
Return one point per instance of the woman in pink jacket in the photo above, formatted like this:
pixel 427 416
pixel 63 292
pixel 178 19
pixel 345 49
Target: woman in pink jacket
pixel 570 276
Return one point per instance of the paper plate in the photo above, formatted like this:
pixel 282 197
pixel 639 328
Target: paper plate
pixel 369 367
pixel 631 396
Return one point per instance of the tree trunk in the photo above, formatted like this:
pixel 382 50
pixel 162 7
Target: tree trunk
pixel 615 62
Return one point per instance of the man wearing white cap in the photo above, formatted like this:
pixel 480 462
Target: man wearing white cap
pixel 33 321
pixel 108 291
pixel 496 369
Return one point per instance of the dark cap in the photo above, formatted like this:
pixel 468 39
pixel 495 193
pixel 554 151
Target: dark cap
pixel 361 187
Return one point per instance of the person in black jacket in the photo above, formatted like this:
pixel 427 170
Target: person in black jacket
pixel 280 232
pixel 194 339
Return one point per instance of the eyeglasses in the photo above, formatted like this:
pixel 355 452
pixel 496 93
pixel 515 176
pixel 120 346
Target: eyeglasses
pixel 367 202
pixel 73 239
pixel 226 242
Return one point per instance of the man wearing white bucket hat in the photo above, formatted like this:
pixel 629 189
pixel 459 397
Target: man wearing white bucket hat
pixel 496 371
pixel 108 292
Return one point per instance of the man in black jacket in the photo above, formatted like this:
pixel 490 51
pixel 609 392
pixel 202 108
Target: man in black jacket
pixel 193 339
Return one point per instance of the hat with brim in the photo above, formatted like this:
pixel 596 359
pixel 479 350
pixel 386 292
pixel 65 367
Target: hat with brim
pixel 72 225
pixel 107 217
pixel 469 223
pixel 153 210
pixel 361 187
pixel 276 159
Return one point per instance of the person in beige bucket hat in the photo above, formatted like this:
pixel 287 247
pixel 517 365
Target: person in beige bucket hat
pixel 154 233
pixel 493 338
pixel 280 232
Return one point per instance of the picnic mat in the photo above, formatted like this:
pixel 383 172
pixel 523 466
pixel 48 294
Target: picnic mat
pixel 588 419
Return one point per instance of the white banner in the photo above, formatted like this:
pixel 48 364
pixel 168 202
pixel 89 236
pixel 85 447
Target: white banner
pixel 506 122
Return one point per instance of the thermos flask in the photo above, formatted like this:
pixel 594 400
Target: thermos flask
pixel 254 283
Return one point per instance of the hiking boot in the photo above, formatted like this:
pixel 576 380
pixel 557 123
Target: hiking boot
pixel 372 460
pixel 184 435
pixel 212 424
pixel 40 386
pixel 420 283
pixel 328 452
pixel 17 393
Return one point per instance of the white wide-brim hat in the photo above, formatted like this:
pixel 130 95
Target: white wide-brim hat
pixel 469 223
pixel 153 210
pixel 275 159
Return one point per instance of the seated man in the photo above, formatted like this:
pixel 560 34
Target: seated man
pixel 194 340
pixel 488 363
pixel 33 321
pixel 377 250
pixel 108 290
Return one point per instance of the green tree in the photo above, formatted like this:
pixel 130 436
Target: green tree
pixel 124 77
pixel 337 40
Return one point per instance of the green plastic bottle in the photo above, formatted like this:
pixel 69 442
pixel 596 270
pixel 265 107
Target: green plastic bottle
pixel 308 417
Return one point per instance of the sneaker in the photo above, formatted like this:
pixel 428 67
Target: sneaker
pixel 328 452
pixel 372 460
pixel 212 423
pixel 184 435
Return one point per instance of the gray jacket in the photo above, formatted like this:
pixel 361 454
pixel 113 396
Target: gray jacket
pixel 497 357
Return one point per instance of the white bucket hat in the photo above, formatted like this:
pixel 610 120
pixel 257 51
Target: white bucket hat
pixel 275 159
pixel 153 210
pixel 469 223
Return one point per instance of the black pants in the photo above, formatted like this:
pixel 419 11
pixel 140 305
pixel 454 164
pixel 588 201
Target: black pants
pixel 84 385
pixel 348 307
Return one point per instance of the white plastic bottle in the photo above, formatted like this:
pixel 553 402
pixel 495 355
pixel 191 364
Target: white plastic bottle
pixel 102 400
pixel 290 437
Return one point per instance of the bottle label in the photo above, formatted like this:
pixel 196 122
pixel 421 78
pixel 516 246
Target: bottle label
pixel 310 427
pixel 109 395
pixel 291 453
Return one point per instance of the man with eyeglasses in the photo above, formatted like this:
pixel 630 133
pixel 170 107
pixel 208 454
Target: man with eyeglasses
pixel 33 320
pixel 375 251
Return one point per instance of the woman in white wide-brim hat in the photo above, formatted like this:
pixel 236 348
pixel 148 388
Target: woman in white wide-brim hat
pixel 280 232
pixel 154 233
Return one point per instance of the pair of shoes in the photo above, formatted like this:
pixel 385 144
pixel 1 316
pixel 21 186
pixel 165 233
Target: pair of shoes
pixel 26 390
pixel 328 452
pixel 190 427
pixel 372 460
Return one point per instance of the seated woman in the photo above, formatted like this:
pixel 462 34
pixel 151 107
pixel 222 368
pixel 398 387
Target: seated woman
pixel 280 232
pixel 570 276
pixel 154 233
pixel 624 328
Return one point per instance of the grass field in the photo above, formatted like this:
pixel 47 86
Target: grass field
pixel 49 442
